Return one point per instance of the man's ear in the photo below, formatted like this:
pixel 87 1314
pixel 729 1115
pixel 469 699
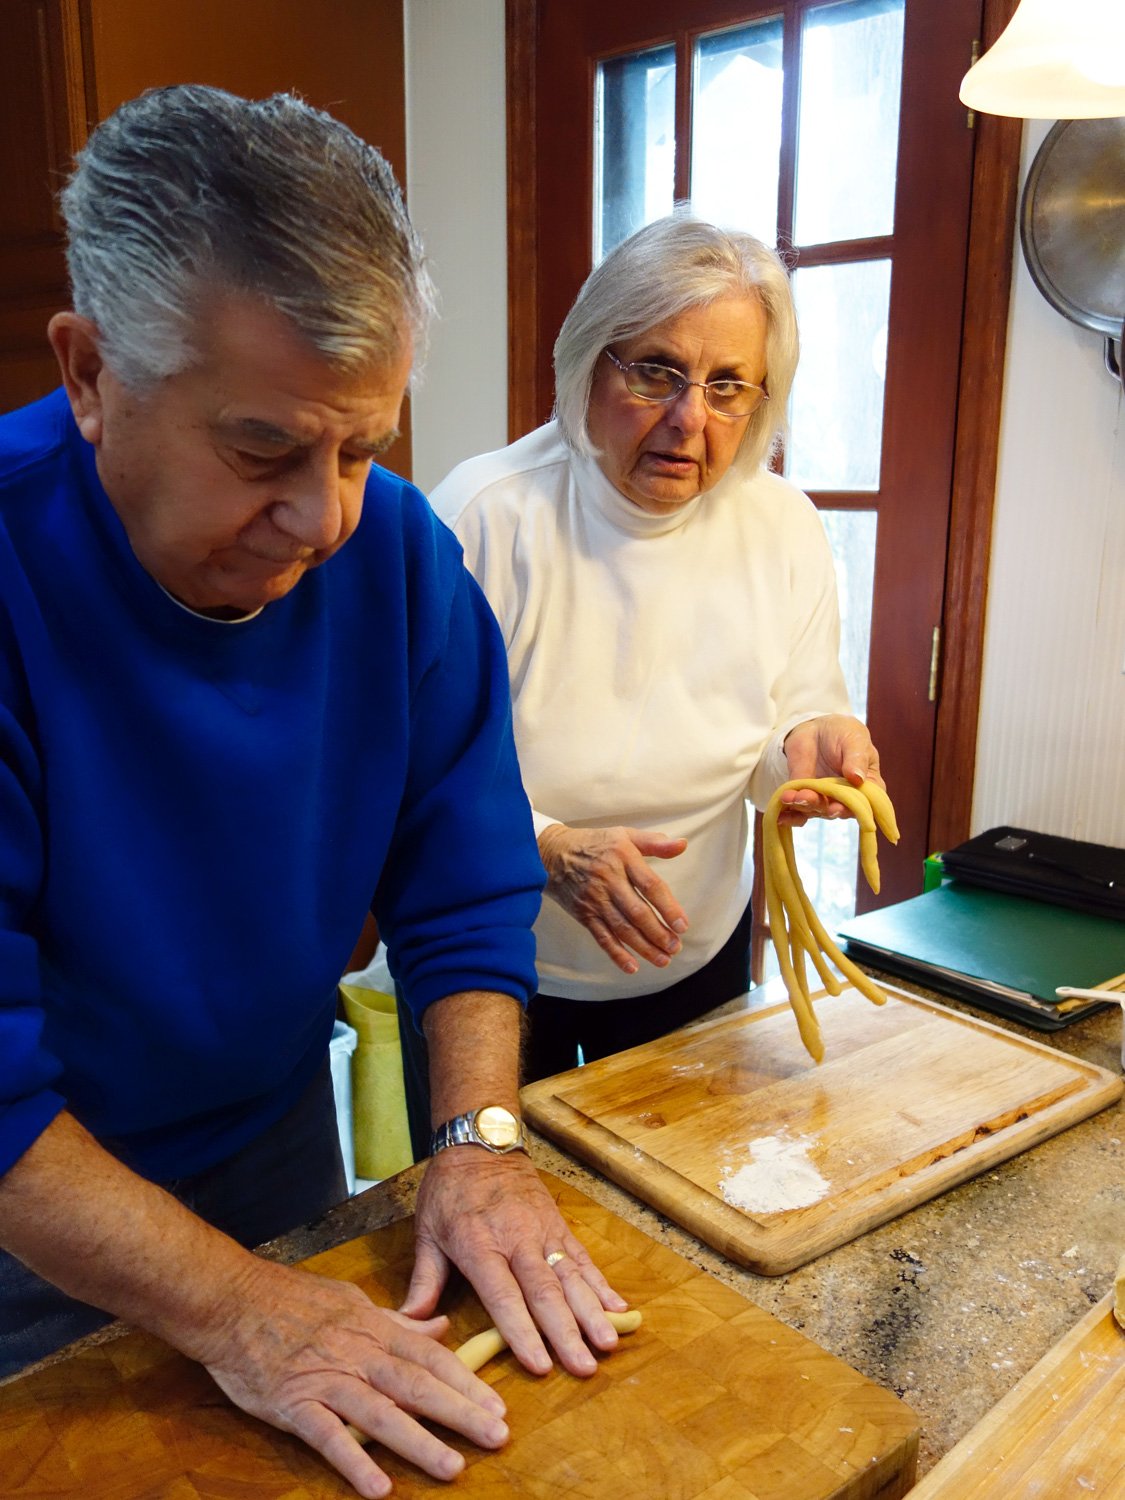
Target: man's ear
pixel 75 341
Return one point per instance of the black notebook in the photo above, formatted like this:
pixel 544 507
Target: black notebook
pixel 1004 954
pixel 1065 872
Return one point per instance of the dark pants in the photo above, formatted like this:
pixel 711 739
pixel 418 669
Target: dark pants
pixel 287 1177
pixel 557 1028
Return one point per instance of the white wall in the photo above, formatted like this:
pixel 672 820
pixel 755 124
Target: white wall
pixel 456 189
pixel 1051 744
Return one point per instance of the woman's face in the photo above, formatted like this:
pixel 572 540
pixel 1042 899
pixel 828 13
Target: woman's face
pixel 661 455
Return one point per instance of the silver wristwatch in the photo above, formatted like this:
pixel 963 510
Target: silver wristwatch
pixel 493 1127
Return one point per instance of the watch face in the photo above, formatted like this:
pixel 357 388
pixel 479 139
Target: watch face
pixel 497 1125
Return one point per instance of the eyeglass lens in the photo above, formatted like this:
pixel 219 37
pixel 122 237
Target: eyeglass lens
pixel 728 398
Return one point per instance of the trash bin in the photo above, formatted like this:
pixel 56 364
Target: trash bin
pixel 340 1050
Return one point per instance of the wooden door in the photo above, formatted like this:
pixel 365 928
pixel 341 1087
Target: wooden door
pixel 924 248
pixel 66 64
pixel 42 122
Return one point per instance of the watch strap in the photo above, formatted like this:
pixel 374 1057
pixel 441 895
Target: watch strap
pixel 455 1132
pixel 462 1131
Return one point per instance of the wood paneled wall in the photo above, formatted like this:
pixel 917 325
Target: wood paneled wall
pixel 65 64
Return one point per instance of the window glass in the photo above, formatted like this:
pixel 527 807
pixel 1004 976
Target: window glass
pixel 836 413
pixel 847 134
pixel 736 127
pixel 851 535
pixel 634 144
pixel 828 850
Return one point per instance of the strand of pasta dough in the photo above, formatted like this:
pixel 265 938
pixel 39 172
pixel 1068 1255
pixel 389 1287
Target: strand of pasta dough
pixel 482 1347
pixel 795 928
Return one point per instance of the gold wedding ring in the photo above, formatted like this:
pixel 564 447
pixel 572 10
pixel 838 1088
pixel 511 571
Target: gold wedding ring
pixel 555 1256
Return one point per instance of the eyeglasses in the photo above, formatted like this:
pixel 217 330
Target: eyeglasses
pixel 726 398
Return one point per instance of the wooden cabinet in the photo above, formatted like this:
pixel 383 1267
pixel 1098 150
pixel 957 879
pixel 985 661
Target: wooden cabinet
pixel 65 64
pixel 42 122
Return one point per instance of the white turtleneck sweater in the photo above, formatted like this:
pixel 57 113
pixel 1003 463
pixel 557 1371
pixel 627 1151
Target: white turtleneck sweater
pixel 657 664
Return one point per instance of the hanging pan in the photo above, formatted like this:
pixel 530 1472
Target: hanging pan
pixel 1072 226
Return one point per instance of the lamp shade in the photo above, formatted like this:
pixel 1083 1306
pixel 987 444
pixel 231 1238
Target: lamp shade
pixel 1055 60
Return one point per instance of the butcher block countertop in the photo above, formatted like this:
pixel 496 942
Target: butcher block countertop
pixel 949 1305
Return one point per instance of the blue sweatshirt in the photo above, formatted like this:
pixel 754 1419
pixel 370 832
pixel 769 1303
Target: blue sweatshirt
pixel 195 815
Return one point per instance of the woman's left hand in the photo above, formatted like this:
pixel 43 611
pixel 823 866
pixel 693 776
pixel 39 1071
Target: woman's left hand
pixel 834 745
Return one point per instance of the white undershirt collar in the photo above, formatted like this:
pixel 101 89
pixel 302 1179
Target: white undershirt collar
pixel 198 614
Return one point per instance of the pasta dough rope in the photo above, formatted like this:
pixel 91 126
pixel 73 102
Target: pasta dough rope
pixel 482 1347
pixel 795 928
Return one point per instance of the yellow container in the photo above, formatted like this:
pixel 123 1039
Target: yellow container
pixel 379 1123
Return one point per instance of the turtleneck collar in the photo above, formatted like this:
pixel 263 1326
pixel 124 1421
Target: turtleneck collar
pixel 594 488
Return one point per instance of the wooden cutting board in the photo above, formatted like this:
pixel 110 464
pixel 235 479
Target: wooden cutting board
pixel 1057 1433
pixel 711 1399
pixel 911 1099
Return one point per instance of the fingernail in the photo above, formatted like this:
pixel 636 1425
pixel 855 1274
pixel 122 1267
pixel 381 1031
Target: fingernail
pixel 630 967
pixel 679 925
pixel 495 1405
pixel 451 1464
pixel 587 1363
pixel 497 1432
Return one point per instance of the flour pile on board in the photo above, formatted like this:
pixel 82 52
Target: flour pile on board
pixel 777 1177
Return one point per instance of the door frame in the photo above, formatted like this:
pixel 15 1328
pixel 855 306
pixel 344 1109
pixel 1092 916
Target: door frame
pixel 995 180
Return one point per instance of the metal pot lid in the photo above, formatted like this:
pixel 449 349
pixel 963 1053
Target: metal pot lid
pixel 1072 222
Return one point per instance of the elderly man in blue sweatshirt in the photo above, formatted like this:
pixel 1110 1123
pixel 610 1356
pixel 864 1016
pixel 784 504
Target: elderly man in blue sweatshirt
pixel 248 693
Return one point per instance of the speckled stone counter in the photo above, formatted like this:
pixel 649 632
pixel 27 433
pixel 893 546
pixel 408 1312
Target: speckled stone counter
pixel 948 1305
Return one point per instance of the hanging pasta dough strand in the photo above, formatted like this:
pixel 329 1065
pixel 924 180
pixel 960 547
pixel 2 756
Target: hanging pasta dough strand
pixel 795 928
pixel 798 998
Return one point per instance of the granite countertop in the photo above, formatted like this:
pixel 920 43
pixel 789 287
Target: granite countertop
pixel 948 1305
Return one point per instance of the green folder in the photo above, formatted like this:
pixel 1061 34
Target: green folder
pixel 1002 953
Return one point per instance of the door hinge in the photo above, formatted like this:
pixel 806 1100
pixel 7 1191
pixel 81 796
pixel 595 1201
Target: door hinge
pixel 935 663
pixel 974 56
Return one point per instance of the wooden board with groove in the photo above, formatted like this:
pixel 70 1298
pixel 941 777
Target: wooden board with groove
pixel 711 1399
pixel 910 1100
pixel 1058 1432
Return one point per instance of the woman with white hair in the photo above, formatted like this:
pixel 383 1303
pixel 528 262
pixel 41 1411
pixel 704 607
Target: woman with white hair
pixel 669 610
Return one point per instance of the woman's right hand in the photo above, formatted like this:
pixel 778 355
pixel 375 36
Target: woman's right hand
pixel 600 876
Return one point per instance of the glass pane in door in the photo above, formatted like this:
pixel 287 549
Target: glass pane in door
pixel 827 851
pixel 736 127
pixel 851 535
pixel 847 134
pixel 836 411
pixel 634 144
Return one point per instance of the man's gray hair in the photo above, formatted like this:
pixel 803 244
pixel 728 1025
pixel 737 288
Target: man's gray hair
pixel 190 191
pixel 676 263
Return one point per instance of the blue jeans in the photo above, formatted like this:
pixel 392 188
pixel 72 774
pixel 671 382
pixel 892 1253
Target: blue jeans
pixel 287 1177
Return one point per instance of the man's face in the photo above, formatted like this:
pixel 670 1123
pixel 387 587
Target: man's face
pixel 236 477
